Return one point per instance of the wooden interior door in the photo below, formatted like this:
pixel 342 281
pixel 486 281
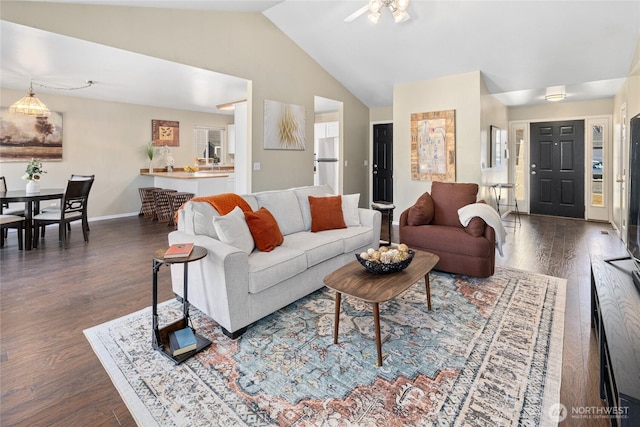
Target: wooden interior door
pixel 557 168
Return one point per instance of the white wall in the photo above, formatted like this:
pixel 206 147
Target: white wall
pixel 107 139
pixel 246 45
pixel 493 112
pixel 460 93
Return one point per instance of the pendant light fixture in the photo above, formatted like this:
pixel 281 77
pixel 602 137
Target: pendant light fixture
pixel 30 105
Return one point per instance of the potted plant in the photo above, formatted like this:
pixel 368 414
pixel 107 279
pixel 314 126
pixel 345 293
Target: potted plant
pixel 151 152
pixel 33 173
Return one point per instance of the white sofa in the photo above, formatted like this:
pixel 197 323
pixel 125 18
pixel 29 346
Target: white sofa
pixel 235 288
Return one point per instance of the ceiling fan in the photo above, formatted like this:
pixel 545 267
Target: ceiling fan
pixel 398 9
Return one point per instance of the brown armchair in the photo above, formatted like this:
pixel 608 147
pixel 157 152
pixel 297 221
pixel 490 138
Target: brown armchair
pixel 432 224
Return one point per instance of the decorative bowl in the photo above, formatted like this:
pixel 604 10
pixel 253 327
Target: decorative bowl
pixel 377 267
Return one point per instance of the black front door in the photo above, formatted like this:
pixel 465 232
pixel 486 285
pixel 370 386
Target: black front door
pixel 557 168
pixel 383 163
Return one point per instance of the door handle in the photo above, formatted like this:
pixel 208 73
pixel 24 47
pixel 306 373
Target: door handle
pixel 533 165
pixel 533 172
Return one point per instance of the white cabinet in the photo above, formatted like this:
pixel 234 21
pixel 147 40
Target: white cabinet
pixel 327 130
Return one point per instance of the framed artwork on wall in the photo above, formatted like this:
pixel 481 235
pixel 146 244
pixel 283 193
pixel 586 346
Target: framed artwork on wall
pixel 24 137
pixel 433 146
pixel 165 132
pixel 284 126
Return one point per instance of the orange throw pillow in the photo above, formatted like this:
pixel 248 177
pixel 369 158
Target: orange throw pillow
pixel 326 213
pixel 264 229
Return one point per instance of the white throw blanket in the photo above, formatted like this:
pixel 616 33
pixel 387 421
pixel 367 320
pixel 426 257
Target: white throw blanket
pixel 489 215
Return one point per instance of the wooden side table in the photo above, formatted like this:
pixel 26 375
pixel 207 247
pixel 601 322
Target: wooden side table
pixel 160 339
pixel 385 208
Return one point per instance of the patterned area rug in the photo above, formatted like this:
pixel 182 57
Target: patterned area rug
pixel 489 353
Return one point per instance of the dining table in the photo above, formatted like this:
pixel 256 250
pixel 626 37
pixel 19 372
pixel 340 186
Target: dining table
pixel 31 205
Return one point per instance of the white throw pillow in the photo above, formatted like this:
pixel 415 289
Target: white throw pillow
pixel 233 230
pixel 350 212
pixel 350 209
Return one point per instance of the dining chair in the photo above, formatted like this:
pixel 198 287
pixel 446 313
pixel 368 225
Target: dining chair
pixel 73 177
pixel 73 208
pixel 12 221
pixel 4 208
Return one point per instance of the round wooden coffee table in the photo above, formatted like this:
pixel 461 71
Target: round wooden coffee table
pixel 353 280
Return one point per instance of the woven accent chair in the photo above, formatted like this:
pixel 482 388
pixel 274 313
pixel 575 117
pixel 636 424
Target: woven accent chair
pixel 176 200
pixel 161 209
pixel 146 201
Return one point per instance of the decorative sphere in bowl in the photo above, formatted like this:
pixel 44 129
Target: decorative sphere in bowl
pixel 373 264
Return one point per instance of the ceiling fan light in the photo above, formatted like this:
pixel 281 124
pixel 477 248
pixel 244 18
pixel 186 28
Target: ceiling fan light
pixel 402 4
pixel 374 7
pixel 400 16
pixel 374 17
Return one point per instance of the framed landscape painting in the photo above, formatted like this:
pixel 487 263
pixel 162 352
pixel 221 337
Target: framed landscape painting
pixel 25 137
pixel 433 146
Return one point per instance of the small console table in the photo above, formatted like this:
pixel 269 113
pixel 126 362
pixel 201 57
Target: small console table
pixel 160 339
pixel 615 319
pixel 497 195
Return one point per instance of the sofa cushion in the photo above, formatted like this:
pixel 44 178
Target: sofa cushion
pixel 267 269
pixel 264 229
pixel 448 197
pixel 421 212
pixel 353 238
pixel 197 218
pixel 303 193
pixel 233 230
pixel 443 238
pixel 284 206
pixel 252 201
pixel 317 246
pixel 326 213
pixel 476 226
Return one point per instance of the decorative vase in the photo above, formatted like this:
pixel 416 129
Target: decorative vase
pixel 33 187
pixel 151 166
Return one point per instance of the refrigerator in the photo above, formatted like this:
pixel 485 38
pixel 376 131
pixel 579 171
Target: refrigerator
pixel 327 162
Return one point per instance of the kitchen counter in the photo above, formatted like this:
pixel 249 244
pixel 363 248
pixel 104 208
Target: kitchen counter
pixel 185 175
pixel 201 183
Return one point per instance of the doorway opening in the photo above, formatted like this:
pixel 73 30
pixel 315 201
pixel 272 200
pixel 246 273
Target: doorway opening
pixel 327 143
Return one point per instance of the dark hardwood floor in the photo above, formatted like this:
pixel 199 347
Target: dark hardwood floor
pixel 49 375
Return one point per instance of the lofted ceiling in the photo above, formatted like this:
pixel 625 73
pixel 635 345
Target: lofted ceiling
pixel 521 48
